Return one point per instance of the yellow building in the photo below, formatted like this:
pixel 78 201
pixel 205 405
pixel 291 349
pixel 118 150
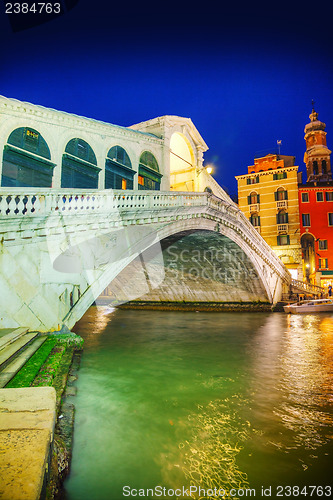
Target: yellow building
pixel 268 196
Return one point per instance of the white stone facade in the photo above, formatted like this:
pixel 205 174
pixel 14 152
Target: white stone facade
pixel 58 128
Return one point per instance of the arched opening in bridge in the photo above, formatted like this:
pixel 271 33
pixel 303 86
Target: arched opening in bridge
pixel 308 257
pixel 197 266
pixel 182 163
pixel 26 160
pixel 118 169
pixel 149 173
pixel 79 166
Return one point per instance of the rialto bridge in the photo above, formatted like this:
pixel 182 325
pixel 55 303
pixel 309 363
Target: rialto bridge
pixel 84 204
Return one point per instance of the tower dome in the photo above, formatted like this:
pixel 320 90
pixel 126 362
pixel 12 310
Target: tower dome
pixel 317 155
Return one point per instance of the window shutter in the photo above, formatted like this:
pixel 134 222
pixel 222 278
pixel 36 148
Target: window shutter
pixel 287 218
pixel 249 200
pixel 286 195
pixel 258 198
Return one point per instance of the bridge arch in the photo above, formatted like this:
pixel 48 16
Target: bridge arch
pixel 182 163
pixel 146 243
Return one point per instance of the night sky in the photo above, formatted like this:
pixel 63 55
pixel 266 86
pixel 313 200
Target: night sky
pixel 244 75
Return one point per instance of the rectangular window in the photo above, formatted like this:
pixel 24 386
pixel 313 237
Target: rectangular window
pixel 306 220
pixel 323 263
pixel 322 244
pixel 283 239
pixel 329 196
pixel 320 196
pixel 252 180
pixel 123 183
pixel 305 197
pixel 140 180
pixel 279 175
pixel 330 218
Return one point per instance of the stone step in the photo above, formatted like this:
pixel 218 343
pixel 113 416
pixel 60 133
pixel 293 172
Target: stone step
pixel 13 348
pixel 10 370
pixel 9 335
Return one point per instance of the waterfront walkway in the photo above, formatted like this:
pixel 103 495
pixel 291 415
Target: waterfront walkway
pixel 27 421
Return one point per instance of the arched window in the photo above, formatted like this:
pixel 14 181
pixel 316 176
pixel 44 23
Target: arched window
pixel 253 198
pixel 281 194
pixel 255 219
pixel 315 167
pixel 149 174
pixel 282 217
pixel 324 167
pixel 26 160
pixel 79 166
pixel 118 169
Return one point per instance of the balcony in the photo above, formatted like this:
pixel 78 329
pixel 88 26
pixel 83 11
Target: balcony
pixel 254 208
pixel 281 204
pixel 257 228
pixel 282 228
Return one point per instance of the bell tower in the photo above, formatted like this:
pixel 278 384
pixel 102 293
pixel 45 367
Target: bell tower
pixel 317 155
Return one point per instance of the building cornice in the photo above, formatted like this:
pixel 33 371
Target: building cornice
pixel 267 172
pixel 15 107
pixel 315 188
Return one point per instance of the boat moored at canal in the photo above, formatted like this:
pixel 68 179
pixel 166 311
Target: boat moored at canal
pixel 310 306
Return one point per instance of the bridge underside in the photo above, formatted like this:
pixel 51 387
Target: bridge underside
pixel 198 267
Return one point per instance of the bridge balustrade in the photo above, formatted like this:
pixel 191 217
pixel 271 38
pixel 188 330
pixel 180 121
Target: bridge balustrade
pixel 36 202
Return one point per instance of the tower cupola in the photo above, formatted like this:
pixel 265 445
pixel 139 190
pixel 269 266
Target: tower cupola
pixel 317 155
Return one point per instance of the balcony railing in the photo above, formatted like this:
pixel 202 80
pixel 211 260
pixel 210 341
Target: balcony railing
pixel 254 208
pixel 282 228
pixel 281 204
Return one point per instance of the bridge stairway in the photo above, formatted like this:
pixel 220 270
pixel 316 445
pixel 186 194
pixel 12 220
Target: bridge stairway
pixel 17 345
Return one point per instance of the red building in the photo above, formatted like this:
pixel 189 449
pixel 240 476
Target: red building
pixel 316 207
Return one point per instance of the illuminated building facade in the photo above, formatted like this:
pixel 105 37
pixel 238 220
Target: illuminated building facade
pixel 316 206
pixel 268 196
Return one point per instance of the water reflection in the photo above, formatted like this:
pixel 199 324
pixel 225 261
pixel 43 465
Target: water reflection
pixel 210 400
pixel 94 323
pixel 297 370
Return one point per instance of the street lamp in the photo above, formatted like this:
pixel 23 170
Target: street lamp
pixel 208 169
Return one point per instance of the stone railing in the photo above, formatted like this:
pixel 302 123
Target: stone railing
pixel 307 288
pixel 20 202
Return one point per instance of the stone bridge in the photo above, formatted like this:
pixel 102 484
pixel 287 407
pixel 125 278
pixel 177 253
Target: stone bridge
pixel 60 248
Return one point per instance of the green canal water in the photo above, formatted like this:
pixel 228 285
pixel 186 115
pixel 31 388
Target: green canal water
pixel 242 403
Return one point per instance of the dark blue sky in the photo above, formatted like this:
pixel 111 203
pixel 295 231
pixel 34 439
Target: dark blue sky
pixel 246 77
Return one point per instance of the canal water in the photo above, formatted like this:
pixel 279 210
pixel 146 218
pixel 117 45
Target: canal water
pixel 237 404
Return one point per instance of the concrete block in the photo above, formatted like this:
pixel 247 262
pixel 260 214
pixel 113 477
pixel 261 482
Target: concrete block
pixel 27 420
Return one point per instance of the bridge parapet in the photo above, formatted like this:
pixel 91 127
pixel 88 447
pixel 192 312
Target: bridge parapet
pixel 19 202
